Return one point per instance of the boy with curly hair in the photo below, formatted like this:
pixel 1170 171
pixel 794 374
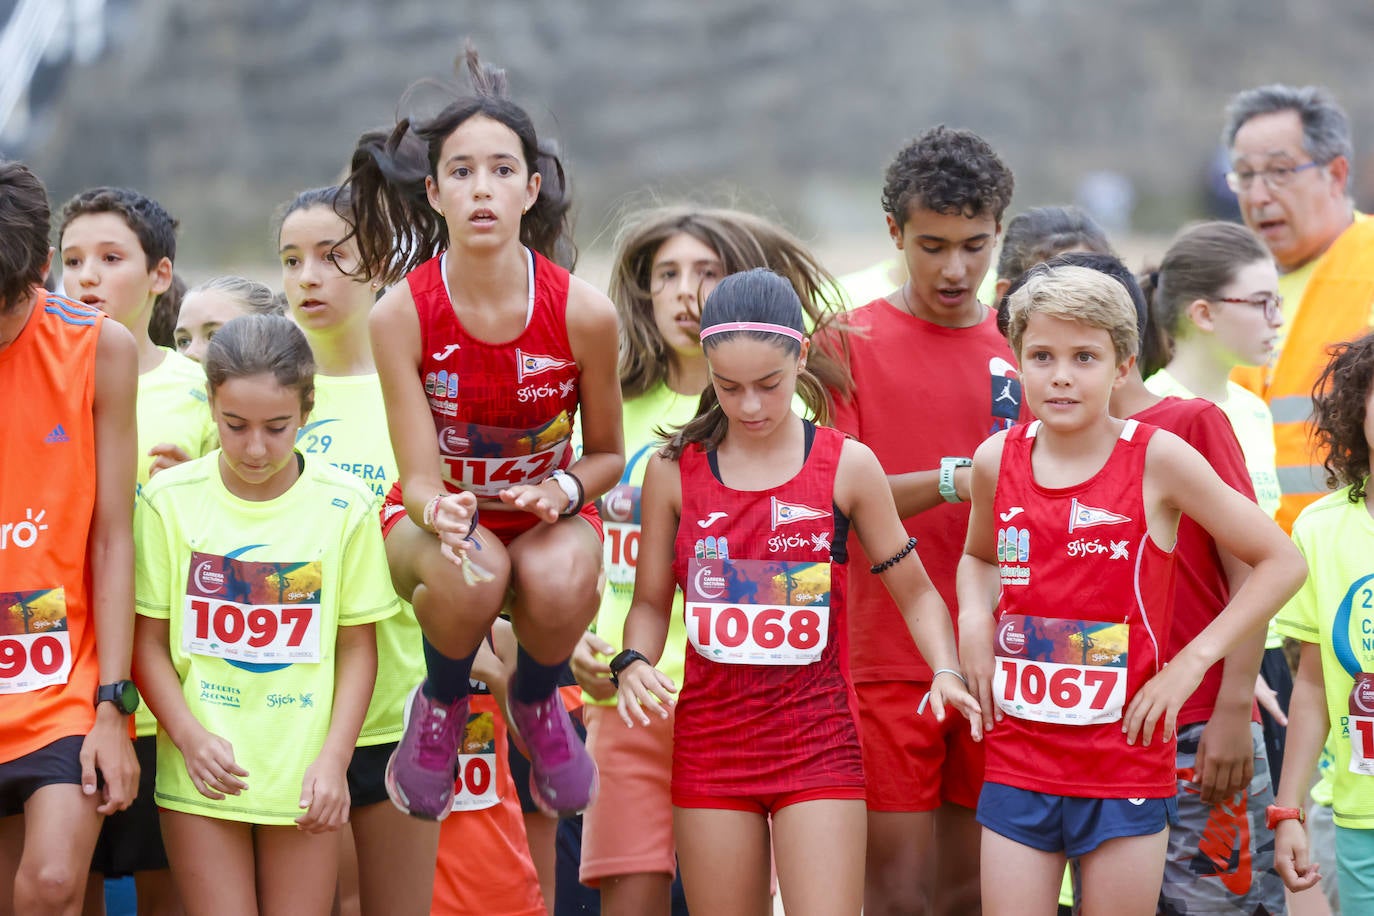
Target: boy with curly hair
pixel 932 379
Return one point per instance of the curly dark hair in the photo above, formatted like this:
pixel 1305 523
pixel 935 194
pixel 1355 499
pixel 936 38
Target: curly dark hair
pixel 1338 414
pixel 948 170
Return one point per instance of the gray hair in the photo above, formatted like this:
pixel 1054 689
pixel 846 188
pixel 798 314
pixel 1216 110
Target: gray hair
pixel 256 298
pixel 1325 126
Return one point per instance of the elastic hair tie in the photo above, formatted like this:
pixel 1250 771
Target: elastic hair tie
pixel 893 560
pixel 765 326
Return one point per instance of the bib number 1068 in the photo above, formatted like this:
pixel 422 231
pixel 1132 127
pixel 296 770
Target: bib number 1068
pixel 753 634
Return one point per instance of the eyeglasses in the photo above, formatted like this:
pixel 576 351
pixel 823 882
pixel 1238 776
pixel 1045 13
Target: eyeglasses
pixel 1274 177
pixel 1271 303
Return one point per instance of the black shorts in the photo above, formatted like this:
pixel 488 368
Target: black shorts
pixel 131 840
pixel 56 764
pixel 367 774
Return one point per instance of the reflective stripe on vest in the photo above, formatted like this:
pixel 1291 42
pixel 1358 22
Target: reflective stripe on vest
pixel 1303 479
pixel 1292 408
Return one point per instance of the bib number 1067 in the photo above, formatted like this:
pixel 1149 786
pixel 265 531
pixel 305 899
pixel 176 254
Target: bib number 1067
pixel 1066 694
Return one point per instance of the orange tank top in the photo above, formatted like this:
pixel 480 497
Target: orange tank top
pixel 48 666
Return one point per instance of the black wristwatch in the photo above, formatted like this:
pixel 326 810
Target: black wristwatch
pixel 624 660
pixel 123 694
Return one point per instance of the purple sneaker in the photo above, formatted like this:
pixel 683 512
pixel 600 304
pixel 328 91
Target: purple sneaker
pixel 423 768
pixel 563 778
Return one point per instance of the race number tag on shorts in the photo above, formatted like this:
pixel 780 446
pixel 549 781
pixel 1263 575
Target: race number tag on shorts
pixel 620 513
pixel 758 612
pixel 252 612
pixel 35 647
pixel 484 460
pixel 475 787
pixel 1070 672
pixel 1361 724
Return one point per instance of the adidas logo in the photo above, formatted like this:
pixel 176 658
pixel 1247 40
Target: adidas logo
pixel 58 434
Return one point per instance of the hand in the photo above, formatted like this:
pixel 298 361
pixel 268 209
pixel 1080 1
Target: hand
pixel 453 522
pixel 210 764
pixel 1291 857
pixel 1225 760
pixel 592 672
pixel 108 750
pixel 166 455
pixel 976 655
pixel 641 685
pixel 949 690
pixel 1269 701
pixel 1159 701
pixel 546 500
pixel 324 795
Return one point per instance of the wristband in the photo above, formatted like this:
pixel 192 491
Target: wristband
pixel 624 660
pixel 947 468
pixel 431 508
pixel 1274 814
pixel 572 488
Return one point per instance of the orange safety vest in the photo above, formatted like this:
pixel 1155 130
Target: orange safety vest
pixel 1336 306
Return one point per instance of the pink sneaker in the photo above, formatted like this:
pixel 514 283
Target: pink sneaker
pixel 423 768
pixel 563 779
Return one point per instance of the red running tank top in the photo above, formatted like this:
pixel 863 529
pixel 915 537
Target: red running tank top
pixel 766 705
pixel 1083 621
pixel 503 413
pixel 48 666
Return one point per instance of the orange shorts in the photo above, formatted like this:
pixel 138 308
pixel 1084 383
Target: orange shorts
pixel 636 766
pixel 911 762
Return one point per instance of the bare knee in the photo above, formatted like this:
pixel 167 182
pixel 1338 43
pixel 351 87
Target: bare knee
pixel 49 887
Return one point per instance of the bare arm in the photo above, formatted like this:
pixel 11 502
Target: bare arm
pixel 111 555
pixel 917 491
pixel 1308 725
pixel 1178 480
pixel 324 788
pixel 646 624
pixel 860 495
pixel 978 583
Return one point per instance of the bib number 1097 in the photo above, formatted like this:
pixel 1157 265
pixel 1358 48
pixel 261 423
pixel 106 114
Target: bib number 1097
pixel 271 633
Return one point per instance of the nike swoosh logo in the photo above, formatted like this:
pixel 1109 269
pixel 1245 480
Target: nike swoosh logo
pixel 711 519
pixel 1011 513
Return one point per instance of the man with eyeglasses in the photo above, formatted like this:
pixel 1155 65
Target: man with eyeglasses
pixel 1290 165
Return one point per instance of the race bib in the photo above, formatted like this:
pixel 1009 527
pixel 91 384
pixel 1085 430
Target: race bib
pixel 758 612
pixel 1069 672
pixel 245 611
pixel 475 787
pixel 35 647
pixel 484 460
pixel 620 512
pixel 1361 725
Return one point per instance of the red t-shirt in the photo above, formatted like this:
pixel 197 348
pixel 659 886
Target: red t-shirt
pixel 921 392
pixel 47 503
pixel 1082 585
pixel 1201 590
pixel 766 705
pixel 503 412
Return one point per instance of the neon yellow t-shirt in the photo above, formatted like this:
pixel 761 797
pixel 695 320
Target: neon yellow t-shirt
pixel 171 407
pixel 254 593
pixel 660 407
pixel 348 429
pixel 1335 609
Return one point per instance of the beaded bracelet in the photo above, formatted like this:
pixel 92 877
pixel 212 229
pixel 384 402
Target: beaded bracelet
pixel 432 509
pixel 893 560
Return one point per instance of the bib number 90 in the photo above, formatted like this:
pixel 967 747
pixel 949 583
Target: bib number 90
pixel 30 661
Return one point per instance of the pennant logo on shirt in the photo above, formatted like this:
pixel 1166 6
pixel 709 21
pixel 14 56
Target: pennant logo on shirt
pixel 1084 516
pixel 532 364
pixel 787 513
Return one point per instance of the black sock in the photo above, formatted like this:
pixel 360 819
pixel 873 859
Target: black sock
pixel 532 681
pixel 446 679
